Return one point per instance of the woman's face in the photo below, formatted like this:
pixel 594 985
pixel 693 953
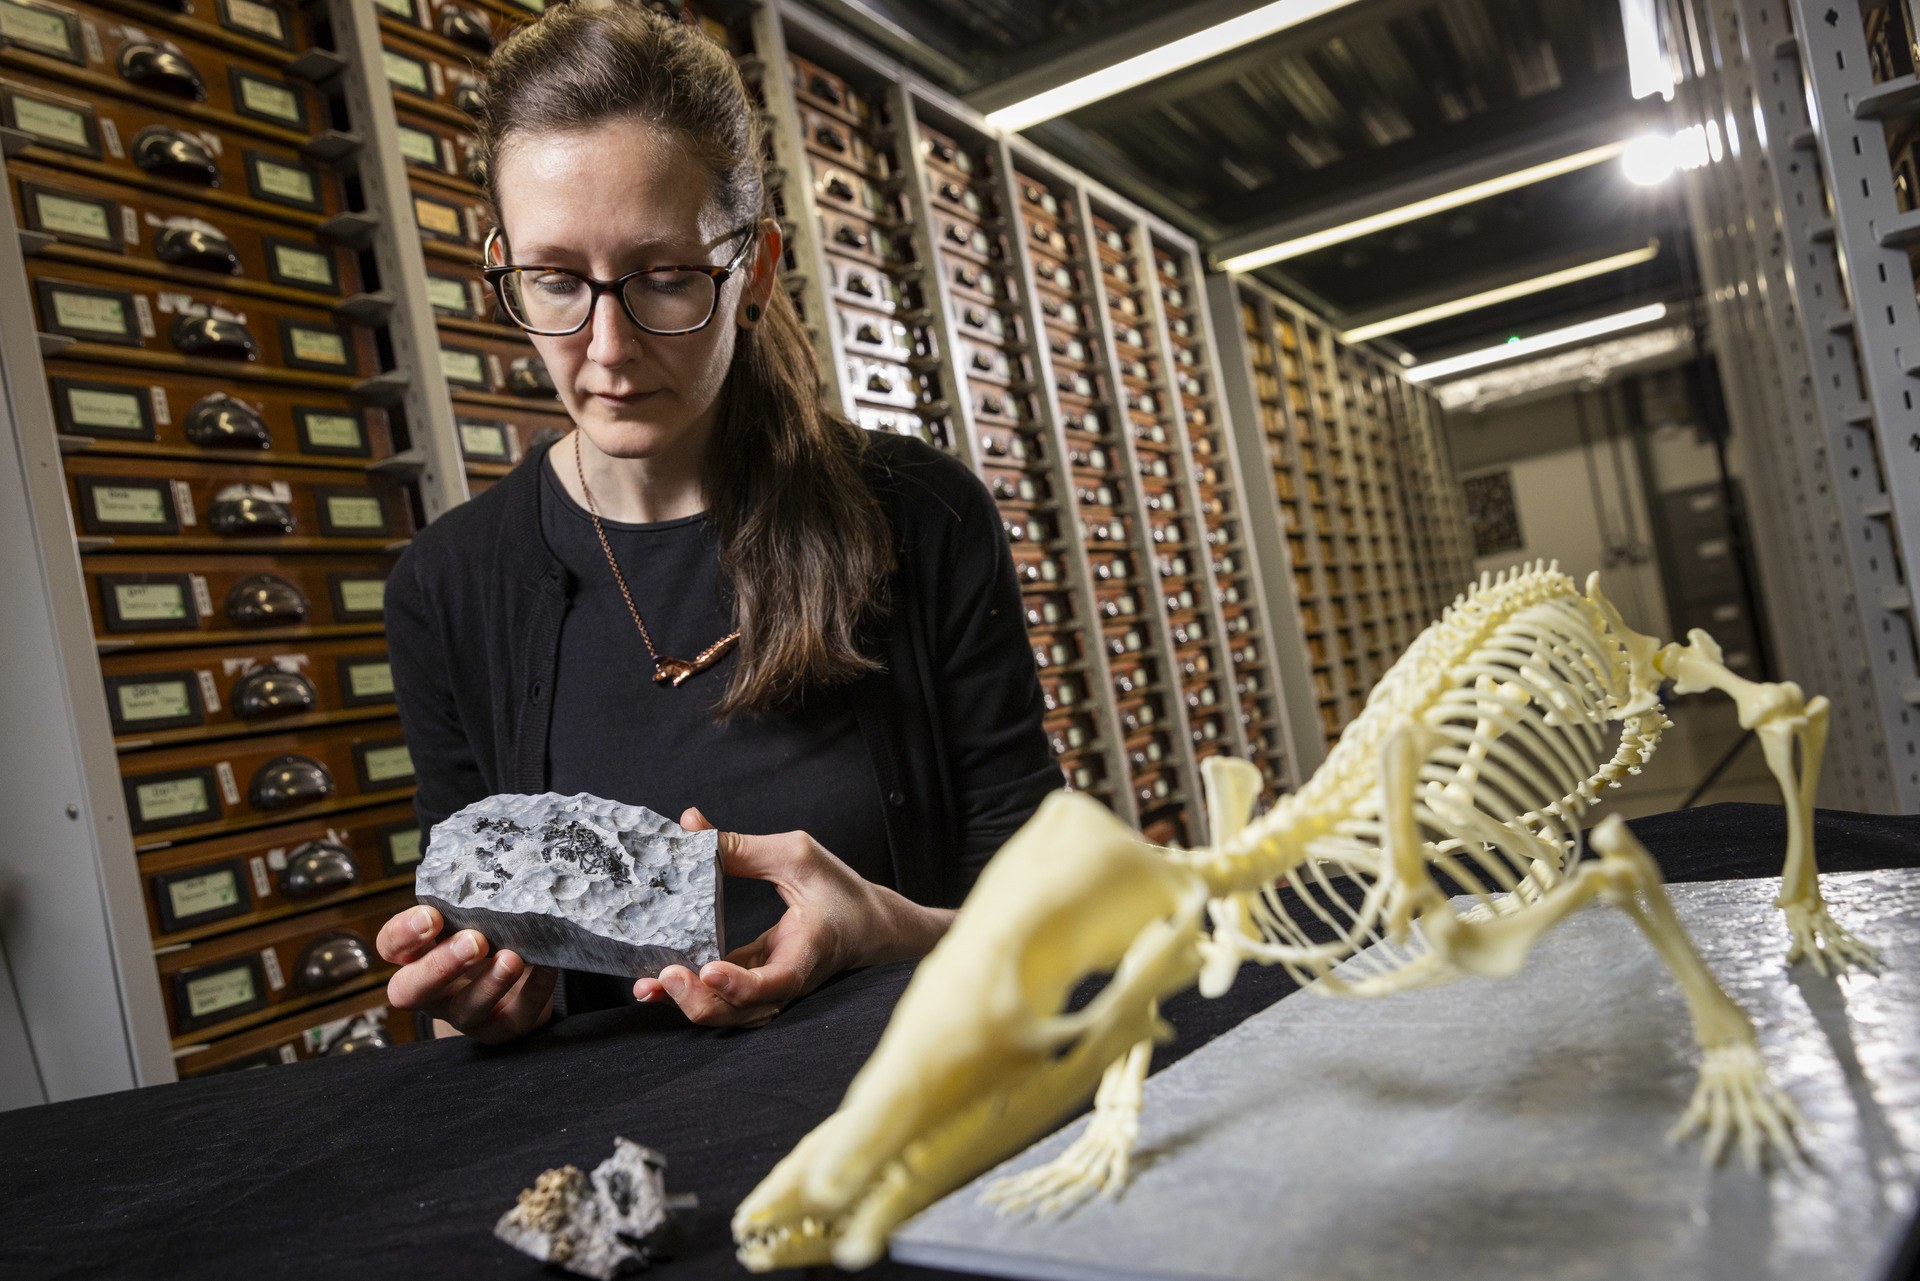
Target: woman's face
pixel 603 202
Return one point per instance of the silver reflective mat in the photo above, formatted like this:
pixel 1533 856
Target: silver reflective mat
pixel 1511 1129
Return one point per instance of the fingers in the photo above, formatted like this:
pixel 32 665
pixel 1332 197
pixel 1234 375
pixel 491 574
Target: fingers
pixel 473 1005
pixel 704 1005
pixel 694 821
pixel 422 984
pixel 525 1006
pixel 407 936
pixel 775 982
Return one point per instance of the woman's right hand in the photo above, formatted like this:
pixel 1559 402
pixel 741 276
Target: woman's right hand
pixel 490 1000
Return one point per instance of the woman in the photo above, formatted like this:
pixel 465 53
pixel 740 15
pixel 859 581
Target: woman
pixel 715 597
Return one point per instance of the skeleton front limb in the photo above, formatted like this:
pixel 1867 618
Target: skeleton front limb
pixel 1735 1097
pixel 1097 1161
pixel 1783 720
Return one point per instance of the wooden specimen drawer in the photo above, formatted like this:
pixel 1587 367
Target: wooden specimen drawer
pixel 243 979
pixel 503 436
pixel 969 280
pixel 158 150
pixel 261 29
pixel 1036 197
pixel 1069 733
pixel 458 293
pixel 1061 651
pixel 963 238
pixel 858 238
pixel 945 154
pixel 184 416
pixel 871 333
pixel 455 29
pixel 163 697
pixel 881 382
pixel 436 83
pixel 1065 693
pixel 1085 773
pixel 352 1025
pixel 180 793
pixel 209 599
pixel 452 226
pixel 846 191
pixel 982 363
pixel 1035 529
pixel 211 887
pixel 835 142
pixel 959 197
pixel 110 226
pixel 1016 488
pixel 820 90
pixel 195 329
pixel 141 504
pixel 986 323
pixel 101 52
pixel 1047 612
pixel 435 149
pixel 860 283
pixel 486 366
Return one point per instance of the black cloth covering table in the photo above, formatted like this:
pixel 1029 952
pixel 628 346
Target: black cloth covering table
pixel 396 1163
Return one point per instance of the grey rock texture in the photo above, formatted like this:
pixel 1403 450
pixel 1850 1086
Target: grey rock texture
pixel 578 882
pixel 606 1227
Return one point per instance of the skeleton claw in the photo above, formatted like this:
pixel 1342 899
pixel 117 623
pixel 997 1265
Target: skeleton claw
pixel 1822 941
pixel 1735 1099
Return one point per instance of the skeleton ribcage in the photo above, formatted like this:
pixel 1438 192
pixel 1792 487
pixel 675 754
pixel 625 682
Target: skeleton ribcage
pixel 1521 717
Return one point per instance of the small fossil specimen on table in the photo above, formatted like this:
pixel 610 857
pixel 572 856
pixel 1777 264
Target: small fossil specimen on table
pixel 615 1223
pixel 578 882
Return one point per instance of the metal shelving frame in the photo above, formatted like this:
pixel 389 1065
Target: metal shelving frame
pixel 1811 305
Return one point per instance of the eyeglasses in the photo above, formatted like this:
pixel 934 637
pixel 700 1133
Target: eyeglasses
pixel 665 301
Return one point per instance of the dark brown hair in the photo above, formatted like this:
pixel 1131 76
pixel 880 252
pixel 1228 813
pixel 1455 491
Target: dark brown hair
pixel 805 548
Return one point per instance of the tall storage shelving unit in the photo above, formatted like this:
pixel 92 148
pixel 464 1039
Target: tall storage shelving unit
pixel 1371 537
pixel 203 886
pixel 1805 222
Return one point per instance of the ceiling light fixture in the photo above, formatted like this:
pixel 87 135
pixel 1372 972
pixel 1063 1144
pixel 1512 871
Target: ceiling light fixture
pixel 1257 24
pixel 1648 71
pixel 1519 289
pixel 1423 208
pixel 1516 347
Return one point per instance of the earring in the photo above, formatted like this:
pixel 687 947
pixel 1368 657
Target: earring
pixel 753 312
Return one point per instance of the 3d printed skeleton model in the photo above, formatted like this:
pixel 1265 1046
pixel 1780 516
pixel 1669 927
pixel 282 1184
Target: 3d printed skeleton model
pixel 1475 759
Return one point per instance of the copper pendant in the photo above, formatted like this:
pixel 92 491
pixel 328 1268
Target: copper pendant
pixel 675 671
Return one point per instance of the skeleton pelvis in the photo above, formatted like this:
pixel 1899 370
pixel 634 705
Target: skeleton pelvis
pixel 981 1055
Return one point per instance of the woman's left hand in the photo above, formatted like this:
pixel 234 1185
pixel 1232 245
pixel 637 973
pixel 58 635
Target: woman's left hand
pixel 835 920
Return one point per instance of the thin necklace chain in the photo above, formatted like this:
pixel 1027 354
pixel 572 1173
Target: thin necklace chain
pixel 666 670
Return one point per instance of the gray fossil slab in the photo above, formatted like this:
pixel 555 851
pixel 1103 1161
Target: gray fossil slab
pixel 1512 1128
pixel 578 882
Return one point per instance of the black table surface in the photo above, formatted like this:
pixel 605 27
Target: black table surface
pixel 396 1163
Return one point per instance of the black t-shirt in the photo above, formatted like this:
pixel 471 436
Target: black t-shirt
pixel 617 734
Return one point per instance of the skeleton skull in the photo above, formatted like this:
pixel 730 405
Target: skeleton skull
pixel 981 1056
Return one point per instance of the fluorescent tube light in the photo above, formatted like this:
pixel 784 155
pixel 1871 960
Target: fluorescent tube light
pixel 1516 347
pixel 1648 71
pixel 1422 208
pixel 1519 289
pixel 1257 24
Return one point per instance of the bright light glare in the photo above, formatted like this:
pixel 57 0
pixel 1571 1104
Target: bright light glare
pixel 1421 208
pixel 1167 59
pixel 1519 289
pixel 1511 349
pixel 1649 160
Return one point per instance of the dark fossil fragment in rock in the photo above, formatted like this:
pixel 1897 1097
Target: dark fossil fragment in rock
pixel 578 882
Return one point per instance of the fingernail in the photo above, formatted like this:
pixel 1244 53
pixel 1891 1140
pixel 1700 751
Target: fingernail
pixel 466 947
pixel 502 967
pixel 423 922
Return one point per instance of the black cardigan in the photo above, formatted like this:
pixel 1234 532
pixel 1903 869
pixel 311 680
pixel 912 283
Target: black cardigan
pixel 473 612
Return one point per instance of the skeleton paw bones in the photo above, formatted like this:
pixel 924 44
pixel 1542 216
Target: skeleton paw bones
pixel 1476 758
